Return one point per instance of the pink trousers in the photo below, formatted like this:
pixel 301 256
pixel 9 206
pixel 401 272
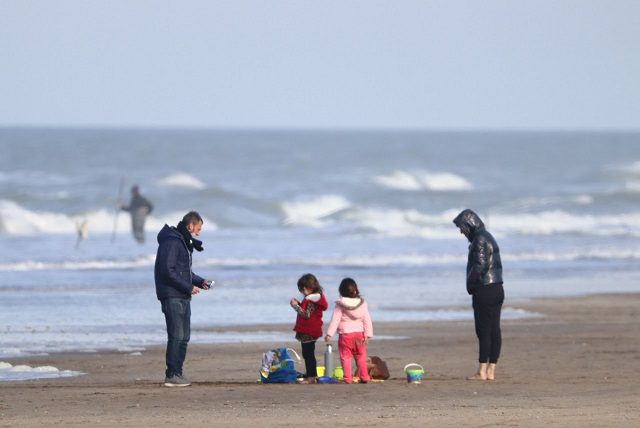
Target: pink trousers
pixel 351 345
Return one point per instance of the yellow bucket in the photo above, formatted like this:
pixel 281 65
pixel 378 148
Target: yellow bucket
pixel 338 373
pixel 414 375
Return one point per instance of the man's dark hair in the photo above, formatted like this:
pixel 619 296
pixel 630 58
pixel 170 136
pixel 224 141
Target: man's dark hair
pixel 192 217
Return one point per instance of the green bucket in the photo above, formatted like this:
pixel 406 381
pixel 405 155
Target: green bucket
pixel 338 373
pixel 414 374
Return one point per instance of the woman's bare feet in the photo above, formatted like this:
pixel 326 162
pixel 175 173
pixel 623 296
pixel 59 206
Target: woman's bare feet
pixel 478 376
pixel 481 374
pixel 491 371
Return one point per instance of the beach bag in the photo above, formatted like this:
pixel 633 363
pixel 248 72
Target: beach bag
pixel 278 366
pixel 377 368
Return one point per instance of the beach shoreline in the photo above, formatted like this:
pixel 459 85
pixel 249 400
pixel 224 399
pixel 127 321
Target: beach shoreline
pixel 576 366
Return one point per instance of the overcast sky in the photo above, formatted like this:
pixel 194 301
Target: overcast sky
pixel 451 64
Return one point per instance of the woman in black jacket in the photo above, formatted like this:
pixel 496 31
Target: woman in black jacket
pixel 484 283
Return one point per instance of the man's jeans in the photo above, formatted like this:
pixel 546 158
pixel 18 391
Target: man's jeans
pixel 177 313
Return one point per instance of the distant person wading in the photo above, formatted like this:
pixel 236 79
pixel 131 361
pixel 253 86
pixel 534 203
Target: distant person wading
pixel 139 207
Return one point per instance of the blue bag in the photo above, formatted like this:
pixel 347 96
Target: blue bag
pixel 278 366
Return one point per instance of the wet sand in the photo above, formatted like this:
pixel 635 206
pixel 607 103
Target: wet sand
pixel 578 366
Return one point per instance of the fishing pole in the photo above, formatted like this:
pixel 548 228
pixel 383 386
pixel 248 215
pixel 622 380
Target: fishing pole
pixel 115 216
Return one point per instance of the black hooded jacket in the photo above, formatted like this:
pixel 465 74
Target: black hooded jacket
pixel 173 275
pixel 483 264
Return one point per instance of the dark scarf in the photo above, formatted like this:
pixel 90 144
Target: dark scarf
pixel 188 239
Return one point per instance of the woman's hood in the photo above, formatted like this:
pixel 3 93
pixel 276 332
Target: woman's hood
pixel 469 223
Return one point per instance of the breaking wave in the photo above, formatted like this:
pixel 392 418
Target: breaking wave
pixel 562 222
pixel 182 180
pixel 19 221
pixel 334 210
pixel 313 212
pixel 420 180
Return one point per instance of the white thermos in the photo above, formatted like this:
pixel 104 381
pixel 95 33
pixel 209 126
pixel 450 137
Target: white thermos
pixel 328 361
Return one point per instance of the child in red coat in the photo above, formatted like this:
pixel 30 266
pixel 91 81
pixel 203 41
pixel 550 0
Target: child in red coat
pixel 308 326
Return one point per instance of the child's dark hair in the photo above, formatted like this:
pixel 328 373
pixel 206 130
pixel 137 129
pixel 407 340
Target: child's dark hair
pixel 310 282
pixel 349 288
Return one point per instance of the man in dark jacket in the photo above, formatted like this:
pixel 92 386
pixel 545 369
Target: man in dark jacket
pixel 175 284
pixel 484 283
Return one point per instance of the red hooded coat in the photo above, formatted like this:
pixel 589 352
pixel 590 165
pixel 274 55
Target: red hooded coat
pixel 313 325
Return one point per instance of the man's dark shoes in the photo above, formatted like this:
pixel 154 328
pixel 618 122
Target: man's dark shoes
pixel 176 381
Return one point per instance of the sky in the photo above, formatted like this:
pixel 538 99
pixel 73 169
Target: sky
pixel 330 64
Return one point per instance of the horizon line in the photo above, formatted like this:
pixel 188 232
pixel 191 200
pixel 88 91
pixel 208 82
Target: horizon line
pixel 249 129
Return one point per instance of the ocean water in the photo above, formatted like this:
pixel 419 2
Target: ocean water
pixel 375 206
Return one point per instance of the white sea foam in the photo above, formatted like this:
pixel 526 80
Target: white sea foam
pixel 9 372
pixel 532 203
pixel 363 260
pixel 393 222
pixel 234 262
pixel 629 168
pixel 558 221
pixel 582 199
pixel 420 180
pixel 368 260
pixel 576 254
pixel 182 180
pixel 19 221
pixel 331 209
pixel 33 265
pixel 631 173
pixel 132 263
pixel 632 186
pixel 350 261
pixel 313 212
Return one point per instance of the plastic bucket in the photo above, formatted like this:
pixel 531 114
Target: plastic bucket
pixel 414 374
pixel 338 373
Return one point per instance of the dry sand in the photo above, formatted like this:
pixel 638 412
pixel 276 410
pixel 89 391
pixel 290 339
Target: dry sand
pixel 577 366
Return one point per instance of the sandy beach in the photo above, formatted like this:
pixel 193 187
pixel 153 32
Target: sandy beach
pixel 577 366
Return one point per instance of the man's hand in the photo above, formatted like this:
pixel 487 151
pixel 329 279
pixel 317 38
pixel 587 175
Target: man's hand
pixel 195 290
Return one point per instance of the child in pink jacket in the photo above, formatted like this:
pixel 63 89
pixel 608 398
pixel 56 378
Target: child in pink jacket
pixel 351 319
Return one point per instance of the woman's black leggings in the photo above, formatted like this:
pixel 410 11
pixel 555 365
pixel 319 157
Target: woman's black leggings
pixel 487 304
pixel 309 355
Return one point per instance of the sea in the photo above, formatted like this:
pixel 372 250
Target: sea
pixel 374 206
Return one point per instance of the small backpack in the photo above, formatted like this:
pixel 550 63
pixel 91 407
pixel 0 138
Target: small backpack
pixel 377 368
pixel 278 366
